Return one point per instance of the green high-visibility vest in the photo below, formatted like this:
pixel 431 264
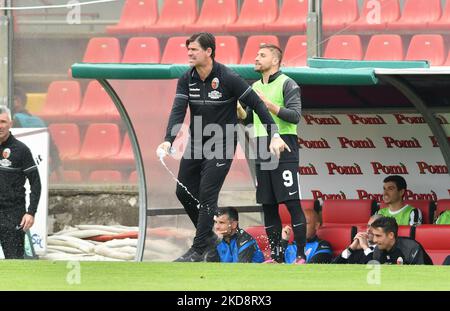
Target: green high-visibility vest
pixel 444 219
pixel 402 218
pixel 273 91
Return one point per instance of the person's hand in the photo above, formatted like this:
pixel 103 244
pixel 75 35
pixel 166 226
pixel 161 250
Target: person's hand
pixel 165 147
pixel 362 238
pixel 27 222
pixel 286 233
pixel 277 145
pixel 241 113
pixel 355 245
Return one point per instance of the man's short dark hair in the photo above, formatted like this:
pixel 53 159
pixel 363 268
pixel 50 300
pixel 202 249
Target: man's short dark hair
pixel 387 224
pixel 274 49
pixel 205 40
pixel 20 94
pixel 231 212
pixel 399 181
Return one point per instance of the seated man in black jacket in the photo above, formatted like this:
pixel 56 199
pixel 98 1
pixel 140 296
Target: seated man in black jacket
pixel 361 249
pixel 391 249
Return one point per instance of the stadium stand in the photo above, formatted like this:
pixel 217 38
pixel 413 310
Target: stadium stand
pixel 97 106
pixel 63 100
pixel 347 212
pixel 175 51
pixel 417 14
pixel 103 50
pixel 252 47
pixel 295 52
pixel 436 241
pixel 443 23
pixel 427 47
pixel 338 14
pixel 67 139
pixel 292 17
pixel 67 177
pixel 142 50
pixel 35 102
pixel 385 47
pixel 369 20
pixel 215 14
pixel 253 15
pixel 227 50
pixel 136 15
pixel 441 206
pixel 339 237
pixel 110 176
pixel 133 178
pixel 344 47
pixel 125 158
pixel 101 141
pixel 175 14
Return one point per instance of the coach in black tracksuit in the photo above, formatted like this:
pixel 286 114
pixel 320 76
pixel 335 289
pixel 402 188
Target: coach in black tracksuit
pixel 211 91
pixel 16 165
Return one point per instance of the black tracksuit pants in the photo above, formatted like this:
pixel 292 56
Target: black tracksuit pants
pixel 204 179
pixel 12 238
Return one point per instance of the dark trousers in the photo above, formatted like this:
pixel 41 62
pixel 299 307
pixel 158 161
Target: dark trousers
pixel 12 239
pixel 204 179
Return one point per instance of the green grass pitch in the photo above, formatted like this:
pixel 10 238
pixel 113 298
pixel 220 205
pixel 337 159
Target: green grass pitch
pixel 58 275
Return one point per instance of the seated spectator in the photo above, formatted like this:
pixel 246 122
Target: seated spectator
pixel 392 249
pixel 316 250
pixel 236 244
pixel 22 118
pixel 394 188
pixel 444 218
pixel 361 249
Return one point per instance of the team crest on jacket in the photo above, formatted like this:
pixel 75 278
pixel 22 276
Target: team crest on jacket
pixel 6 153
pixel 215 83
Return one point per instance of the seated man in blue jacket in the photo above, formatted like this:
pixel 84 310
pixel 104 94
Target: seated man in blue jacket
pixel 316 250
pixel 236 244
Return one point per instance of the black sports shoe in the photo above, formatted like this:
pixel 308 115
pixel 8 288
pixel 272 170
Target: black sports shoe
pixel 186 255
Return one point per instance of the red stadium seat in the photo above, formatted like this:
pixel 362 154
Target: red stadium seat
pixel 295 53
pixel 67 139
pixel 136 14
pixel 254 14
pixel 370 20
pixel 344 47
pixel 338 14
pixel 63 99
pixel 417 14
pixel 215 14
pixel 227 50
pixel 385 47
pixel 292 17
pixel 427 47
pixel 142 50
pixel 102 50
pixel 125 157
pixel 259 234
pixel 97 106
pixel 347 212
pixel 339 237
pixel 443 23
pixel 67 177
pixel 111 176
pixel 252 47
pixel 133 178
pixel 435 240
pixel 441 206
pixel 175 14
pixel 175 51
pixel 101 141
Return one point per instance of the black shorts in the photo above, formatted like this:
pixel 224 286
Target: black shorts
pixel 278 185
